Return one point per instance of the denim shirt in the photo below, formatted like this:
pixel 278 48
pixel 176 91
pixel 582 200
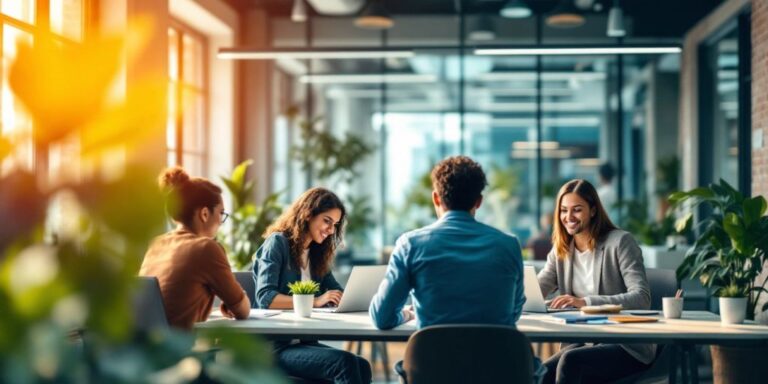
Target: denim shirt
pixel 457 270
pixel 273 272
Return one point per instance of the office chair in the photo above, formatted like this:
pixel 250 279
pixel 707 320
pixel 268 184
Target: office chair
pixel 245 279
pixel 467 353
pixel 663 283
pixel 148 307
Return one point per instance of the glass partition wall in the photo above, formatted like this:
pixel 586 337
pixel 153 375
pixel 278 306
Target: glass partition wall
pixel 532 122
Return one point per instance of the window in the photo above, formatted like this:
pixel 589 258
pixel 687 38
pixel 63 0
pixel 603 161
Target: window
pixel 724 106
pixel 20 20
pixel 187 100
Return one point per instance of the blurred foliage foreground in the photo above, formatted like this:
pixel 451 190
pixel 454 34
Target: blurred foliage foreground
pixel 66 288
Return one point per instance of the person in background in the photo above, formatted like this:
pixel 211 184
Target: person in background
pixel 606 190
pixel 299 246
pixel 189 264
pixel 541 244
pixel 592 263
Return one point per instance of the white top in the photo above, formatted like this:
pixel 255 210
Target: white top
pixel 305 274
pixel 584 274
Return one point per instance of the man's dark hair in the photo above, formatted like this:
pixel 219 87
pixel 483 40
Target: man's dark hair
pixel 459 181
pixel 606 172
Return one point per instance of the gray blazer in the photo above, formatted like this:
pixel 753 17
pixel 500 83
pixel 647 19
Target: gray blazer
pixel 619 279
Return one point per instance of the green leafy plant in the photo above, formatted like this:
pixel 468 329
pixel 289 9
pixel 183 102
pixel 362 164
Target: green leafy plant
pixel 732 245
pixel 323 155
pixel 306 287
pixel 66 286
pixel 647 231
pixel 359 219
pixel 249 220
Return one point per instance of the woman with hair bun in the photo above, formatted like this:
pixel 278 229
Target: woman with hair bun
pixel 190 265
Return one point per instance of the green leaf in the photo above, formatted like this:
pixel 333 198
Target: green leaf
pixel 754 208
pixel 682 223
pixel 306 287
pixel 238 174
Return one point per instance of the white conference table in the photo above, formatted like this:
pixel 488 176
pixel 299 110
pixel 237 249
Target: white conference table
pixel 694 328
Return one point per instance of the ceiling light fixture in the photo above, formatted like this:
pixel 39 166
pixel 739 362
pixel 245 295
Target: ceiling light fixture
pixel 368 78
pixel 624 50
pixel 299 11
pixel 565 16
pixel 374 16
pixel 274 54
pixel 515 9
pixel 482 29
pixel 616 21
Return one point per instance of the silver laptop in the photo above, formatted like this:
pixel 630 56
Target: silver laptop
pixel 363 283
pixel 534 300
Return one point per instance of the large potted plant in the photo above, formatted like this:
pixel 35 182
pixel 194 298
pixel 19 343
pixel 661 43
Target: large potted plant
pixel 249 220
pixel 731 248
pixel 728 255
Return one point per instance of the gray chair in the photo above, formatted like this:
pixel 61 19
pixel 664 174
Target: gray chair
pixel 245 279
pixel 148 307
pixel 467 353
pixel 663 283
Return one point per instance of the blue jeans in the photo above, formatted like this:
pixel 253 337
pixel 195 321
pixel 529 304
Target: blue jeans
pixel 315 361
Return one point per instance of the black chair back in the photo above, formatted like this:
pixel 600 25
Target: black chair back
pixel 148 307
pixel 468 353
pixel 663 283
pixel 249 285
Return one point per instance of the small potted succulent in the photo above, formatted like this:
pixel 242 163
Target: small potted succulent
pixel 303 296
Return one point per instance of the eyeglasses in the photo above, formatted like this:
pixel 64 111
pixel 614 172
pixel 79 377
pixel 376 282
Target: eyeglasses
pixel 224 216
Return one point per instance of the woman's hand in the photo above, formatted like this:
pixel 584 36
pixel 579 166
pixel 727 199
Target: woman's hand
pixel 226 312
pixel 408 314
pixel 564 301
pixel 332 297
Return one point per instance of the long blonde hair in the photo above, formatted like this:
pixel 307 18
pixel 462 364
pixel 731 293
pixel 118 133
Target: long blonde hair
pixel 599 226
pixel 294 225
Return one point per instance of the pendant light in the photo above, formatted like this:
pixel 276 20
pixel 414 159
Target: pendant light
pixel 482 29
pixel 515 9
pixel 565 16
pixel 616 21
pixel 299 11
pixel 374 16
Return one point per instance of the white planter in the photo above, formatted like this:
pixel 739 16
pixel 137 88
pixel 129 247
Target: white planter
pixel 302 305
pixel 733 310
pixel 656 256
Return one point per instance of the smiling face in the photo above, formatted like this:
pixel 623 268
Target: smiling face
pixel 324 224
pixel 575 214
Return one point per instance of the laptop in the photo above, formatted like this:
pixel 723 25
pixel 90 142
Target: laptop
pixel 362 285
pixel 534 300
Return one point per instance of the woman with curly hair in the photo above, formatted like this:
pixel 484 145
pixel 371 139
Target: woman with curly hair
pixel 300 246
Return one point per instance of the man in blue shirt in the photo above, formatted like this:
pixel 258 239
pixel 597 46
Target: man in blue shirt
pixel 457 269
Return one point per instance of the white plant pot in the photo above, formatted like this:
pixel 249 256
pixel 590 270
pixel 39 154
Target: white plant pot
pixel 302 305
pixel 733 310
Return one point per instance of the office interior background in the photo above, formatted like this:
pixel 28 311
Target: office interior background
pixel 676 101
